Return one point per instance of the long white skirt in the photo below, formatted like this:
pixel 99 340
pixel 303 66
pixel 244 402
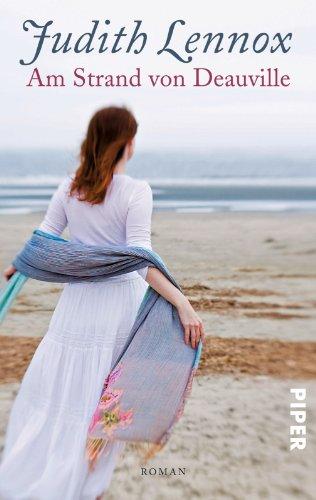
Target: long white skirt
pixel 44 455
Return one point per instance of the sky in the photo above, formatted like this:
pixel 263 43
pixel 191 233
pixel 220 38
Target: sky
pixel 262 119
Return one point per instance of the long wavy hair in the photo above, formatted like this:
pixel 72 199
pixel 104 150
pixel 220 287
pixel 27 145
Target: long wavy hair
pixel 109 131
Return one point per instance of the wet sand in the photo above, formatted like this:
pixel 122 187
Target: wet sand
pixel 296 360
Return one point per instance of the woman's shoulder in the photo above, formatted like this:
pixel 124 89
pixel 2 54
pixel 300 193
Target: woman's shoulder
pixel 135 186
pixel 134 191
pixel 141 189
pixel 63 187
pixel 64 181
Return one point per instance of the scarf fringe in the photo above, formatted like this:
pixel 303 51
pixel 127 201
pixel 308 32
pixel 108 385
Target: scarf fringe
pixel 94 448
pixel 146 451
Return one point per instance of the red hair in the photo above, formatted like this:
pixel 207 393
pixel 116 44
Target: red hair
pixel 109 131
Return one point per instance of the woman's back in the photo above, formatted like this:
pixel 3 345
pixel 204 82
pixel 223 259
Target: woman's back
pixel 123 218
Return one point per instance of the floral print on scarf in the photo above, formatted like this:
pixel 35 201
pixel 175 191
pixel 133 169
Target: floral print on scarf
pixel 108 414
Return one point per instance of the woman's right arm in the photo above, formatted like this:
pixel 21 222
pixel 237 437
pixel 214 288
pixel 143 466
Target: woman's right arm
pixel 9 272
pixel 192 324
pixel 55 219
pixel 54 222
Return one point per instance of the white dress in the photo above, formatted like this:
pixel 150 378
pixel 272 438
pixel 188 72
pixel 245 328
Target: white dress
pixel 44 455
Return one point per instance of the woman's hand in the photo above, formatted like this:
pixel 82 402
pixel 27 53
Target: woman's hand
pixel 192 324
pixel 9 272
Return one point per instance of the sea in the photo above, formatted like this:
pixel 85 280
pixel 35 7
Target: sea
pixel 188 182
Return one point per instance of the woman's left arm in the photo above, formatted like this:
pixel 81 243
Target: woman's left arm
pixel 192 324
pixel 138 233
pixel 138 222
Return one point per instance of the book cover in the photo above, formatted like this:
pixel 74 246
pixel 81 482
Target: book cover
pixel 223 94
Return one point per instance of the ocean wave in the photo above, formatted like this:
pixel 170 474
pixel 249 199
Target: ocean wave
pixel 26 191
pixel 18 210
pixel 30 180
pixel 53 181
pixel 247 206
pixel 192 207
pixel 184 206
pixel 235 181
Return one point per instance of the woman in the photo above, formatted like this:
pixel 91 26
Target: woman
pixel 44 451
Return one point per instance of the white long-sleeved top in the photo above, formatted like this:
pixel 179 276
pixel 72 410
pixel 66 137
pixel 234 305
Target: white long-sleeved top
pixel 123 218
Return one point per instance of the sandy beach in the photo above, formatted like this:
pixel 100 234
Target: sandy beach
pixel 252 277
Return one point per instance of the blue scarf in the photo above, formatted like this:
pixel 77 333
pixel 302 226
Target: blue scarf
pixel 144 394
